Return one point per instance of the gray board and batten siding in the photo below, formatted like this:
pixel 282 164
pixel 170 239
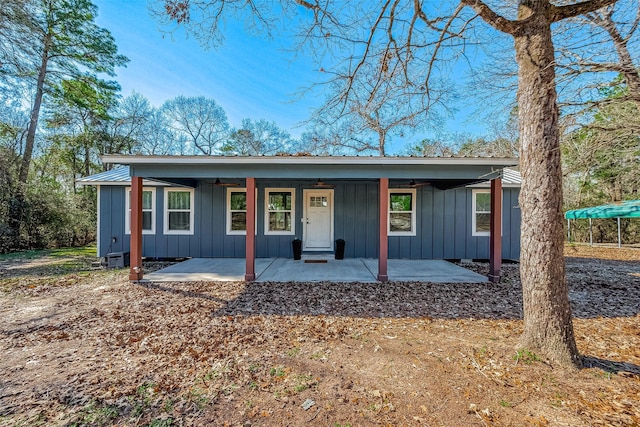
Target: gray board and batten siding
pixel 443 223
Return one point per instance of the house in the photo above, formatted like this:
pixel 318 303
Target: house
pixel 382 207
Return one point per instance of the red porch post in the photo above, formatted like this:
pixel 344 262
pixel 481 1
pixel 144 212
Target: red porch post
pixel 495 246
pixel 382 221
pixel 135 260
pixel 250 242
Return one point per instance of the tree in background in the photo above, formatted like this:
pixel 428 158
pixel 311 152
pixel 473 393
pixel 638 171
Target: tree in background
pixel 501 141
pixel 334 137
pixel 13 124
pixel 125 128
pixel 46 42
pixel 9 162
pixel 591 50
pixel 603 154
pixel 431 148
pixel 601 162
pixel 483 147
pixel 54 40
pixel 258 138
pixel 462 146
pixel 601 101
pixel 381 104
pixel 157 137
pixel 137 127
pixel 75 115
pixel 200 121
pixel 586 72
pixel 52 53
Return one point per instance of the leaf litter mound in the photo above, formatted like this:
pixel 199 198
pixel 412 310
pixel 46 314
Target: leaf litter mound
pixel 89 348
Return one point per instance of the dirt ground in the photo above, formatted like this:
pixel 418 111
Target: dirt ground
pixel 85 347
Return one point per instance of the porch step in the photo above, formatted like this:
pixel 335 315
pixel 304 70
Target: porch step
pixel 317 256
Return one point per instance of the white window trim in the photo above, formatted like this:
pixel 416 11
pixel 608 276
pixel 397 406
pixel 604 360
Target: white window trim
pixel 474 232
pixel 413 212
pixel 228 210
pixel 166 211
pixel 127 210
pixel 266 211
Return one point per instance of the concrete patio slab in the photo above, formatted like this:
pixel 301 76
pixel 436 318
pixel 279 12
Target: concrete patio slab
pixel 320 267
pixel 317 269
pixel 426 270
pixel 207 270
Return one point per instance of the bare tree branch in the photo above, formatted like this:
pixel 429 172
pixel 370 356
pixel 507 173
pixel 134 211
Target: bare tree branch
pixel 497 21
pixel 558 13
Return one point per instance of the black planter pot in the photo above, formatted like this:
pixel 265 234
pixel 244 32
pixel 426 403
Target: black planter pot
pixel 297 249
pixel 340 248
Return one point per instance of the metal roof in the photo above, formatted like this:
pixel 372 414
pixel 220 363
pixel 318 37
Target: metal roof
pixel 626 209
pixel 306 160
pixel 115 176
pixel 442 172
pixel 511 177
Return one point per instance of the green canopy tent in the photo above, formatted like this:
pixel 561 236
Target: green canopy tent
pixel 626 209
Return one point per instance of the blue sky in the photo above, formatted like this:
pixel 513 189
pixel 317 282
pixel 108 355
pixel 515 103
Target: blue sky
pixel 247 76
pixel 250 77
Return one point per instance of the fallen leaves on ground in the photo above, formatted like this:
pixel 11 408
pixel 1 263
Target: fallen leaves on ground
pixel 91 348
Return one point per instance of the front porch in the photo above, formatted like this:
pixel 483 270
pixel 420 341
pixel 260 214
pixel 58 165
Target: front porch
pixel 254 207
pixel 315 268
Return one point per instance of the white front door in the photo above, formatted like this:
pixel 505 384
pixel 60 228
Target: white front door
pixel 317 220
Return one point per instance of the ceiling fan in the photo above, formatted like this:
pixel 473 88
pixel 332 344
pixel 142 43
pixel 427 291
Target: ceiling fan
pixel 225 184
pixel 321 184
pixel 414 184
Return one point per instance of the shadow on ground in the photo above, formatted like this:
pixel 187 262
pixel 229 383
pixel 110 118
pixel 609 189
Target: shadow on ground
pixel 400 299
pixel 610 366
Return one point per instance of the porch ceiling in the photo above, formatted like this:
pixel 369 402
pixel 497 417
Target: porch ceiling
pixel 442 172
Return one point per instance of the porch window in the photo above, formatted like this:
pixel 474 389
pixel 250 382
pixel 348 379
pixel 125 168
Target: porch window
pixel 148 211
pixel 178 211
pixel 481 213
pixel 280 211
pixel 236 211
pixel 402 212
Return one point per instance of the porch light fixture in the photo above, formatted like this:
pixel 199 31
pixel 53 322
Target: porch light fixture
pixel 225 184
pixel 321 184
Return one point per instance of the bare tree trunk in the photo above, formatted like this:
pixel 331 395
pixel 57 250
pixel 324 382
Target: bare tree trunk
pixel 547 313
pixel 17 209
pixel 33 122
pixel 87 156
pixel 629 70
